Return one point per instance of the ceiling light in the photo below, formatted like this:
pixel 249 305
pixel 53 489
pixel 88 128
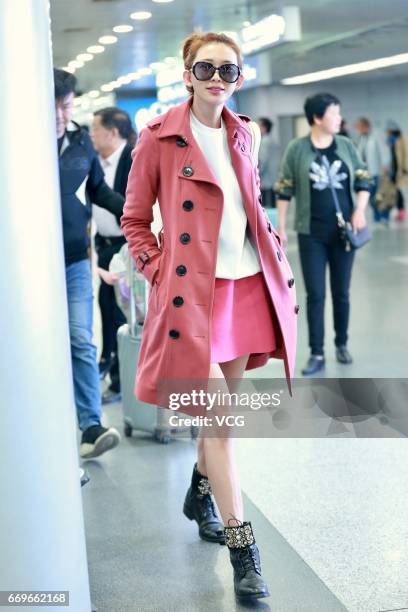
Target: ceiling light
pixel 107 87
pixel 162 1
pixel 145 71
pixel 94 93
pixel 246 24
pixel 134 75
pixel 141 15
pixel 157 65
pixel 69 69
pixel 96 49
pixel 85 57
pixel 332 73
pixel 124 80
pixel 264 33
pixel 122 29
pixel 108 40
pixel 75 64
pixel 170 60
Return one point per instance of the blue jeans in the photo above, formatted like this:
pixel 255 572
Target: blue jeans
pixel 83 352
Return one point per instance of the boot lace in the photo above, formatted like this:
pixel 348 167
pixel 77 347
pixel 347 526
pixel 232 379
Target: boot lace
pixel 208 504
pixel 249 560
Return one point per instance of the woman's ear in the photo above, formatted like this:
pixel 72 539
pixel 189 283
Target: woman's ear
pixel 187 78
pixel 240 81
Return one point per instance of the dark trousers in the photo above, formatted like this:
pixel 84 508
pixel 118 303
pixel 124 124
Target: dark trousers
pixel 111 315
pixel 112 318
pixel 268 198
pixel 314 257
pixel 400 201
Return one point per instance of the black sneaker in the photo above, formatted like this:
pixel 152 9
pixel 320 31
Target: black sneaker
pixel 104 367
pixel 83 476
pixel 97 440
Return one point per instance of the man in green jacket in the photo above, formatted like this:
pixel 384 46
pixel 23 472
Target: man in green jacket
pixel 304 175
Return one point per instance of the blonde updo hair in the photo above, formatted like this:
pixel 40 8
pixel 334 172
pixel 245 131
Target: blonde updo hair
pixel 195 41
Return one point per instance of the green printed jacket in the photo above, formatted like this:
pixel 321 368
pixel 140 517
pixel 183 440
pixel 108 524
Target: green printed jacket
pixel 294 175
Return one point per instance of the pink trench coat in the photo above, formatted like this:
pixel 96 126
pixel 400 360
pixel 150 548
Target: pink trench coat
pixel 168 165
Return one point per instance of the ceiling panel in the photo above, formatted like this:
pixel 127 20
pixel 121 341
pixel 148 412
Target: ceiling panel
pixel 334 33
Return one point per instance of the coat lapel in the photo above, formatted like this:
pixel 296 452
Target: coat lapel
pixel 239 143
pixel 177 123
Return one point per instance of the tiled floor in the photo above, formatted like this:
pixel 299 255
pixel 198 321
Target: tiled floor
pixel 330 514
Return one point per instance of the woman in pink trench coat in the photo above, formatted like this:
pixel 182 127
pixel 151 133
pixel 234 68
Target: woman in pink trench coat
pixel 169 165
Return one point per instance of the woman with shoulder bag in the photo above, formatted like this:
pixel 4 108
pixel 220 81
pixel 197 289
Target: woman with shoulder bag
pixel 222 298
pixel 331 184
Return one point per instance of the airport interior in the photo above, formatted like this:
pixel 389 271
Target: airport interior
pixel 112 520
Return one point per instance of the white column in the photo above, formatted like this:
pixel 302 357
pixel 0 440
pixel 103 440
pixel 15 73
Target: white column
pixel 42 544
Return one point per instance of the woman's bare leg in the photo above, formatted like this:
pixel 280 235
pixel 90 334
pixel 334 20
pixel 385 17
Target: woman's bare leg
pixel 217 452
pixel 201 463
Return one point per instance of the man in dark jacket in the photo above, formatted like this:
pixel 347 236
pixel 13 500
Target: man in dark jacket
pixel 81 182
pixel 111 131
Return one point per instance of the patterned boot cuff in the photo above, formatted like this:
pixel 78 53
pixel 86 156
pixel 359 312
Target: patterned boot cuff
pixel 201 482
pixel 239 537
pixel 204 487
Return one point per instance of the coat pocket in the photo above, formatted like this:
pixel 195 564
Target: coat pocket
pixel 159 284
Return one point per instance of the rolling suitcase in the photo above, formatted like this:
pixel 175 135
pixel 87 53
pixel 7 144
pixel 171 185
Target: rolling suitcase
pixel 139 415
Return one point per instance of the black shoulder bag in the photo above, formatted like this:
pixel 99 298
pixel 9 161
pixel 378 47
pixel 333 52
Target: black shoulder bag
pixel 350 239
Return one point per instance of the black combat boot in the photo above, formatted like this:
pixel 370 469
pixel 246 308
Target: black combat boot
pixel 244 555
pixel 198 506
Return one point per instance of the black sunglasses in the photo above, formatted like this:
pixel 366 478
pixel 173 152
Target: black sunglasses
pixel 204 71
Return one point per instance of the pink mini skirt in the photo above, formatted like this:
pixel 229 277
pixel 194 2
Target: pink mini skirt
pixel 242 319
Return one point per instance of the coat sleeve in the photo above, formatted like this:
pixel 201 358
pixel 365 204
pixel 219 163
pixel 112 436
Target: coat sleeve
pixel 362 177
pixel 141 194
pixel 285 185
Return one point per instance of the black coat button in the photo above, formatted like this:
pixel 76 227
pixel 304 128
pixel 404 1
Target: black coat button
pixel 297 309
pixel 174 333
pixel 185 238
pixel 291 282
pixel 188 171
pixel 178 301
pixel 278 253
pixel 188 205
pixel 181 270
pixel 180 142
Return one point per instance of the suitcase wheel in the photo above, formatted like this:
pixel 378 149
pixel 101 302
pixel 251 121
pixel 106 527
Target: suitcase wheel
pixel 162 436
pixel 127 430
